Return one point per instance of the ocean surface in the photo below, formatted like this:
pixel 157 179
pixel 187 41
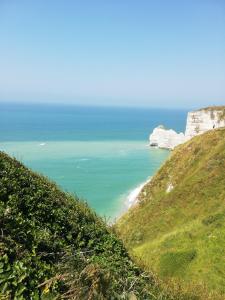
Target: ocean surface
pixel 100 154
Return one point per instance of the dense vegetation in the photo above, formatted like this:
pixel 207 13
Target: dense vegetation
pixel 52 246
pixel 178 228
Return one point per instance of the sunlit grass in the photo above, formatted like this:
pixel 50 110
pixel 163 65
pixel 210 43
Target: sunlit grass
pixel 181 235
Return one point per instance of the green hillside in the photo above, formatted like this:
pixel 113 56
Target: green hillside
pixel 178 228
pixel 52 246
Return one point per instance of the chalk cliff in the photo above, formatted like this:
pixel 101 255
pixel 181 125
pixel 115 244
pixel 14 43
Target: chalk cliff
pixel 165 138
pixel 198 122
pixel 203 120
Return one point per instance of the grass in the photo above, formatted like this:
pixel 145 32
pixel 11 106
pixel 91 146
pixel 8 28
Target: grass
pixel 53 246
pixel 176 262
pixel 180 235
pixel 212 108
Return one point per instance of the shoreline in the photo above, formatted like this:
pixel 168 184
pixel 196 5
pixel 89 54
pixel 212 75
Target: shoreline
pixel 131 199
pixel 133 196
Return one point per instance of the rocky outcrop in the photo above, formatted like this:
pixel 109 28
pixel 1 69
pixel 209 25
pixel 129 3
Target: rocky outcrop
pixel 165 138
pixel 203 120
pixel 198 122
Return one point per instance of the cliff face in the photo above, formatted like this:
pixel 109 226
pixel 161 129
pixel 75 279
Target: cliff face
pixel 203 120
pixel 198 122
pixel 164 138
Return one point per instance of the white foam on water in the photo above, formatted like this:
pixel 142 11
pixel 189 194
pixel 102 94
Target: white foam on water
pixel 132 197
pixel 129 199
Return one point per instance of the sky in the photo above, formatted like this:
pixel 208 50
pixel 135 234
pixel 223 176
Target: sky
pixel 155 53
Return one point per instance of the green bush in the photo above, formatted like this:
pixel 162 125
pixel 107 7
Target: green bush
pixel 53 246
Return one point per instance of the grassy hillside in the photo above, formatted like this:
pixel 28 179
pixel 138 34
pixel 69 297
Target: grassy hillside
pixel 178 229
pixel 52 246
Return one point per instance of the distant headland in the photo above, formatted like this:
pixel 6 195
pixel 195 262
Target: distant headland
pixel 198 122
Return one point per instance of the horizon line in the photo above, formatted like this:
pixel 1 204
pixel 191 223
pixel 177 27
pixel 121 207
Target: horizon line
pixel 96 105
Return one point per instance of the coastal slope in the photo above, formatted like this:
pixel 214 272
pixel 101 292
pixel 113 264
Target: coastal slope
pixel 178 227
pixel 53 246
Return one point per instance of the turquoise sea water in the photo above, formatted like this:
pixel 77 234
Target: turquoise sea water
pixel 100 154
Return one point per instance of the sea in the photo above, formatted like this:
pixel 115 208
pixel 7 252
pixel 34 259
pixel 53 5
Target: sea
pixel 99 154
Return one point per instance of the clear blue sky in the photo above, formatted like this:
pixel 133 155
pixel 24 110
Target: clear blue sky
pixel 113 52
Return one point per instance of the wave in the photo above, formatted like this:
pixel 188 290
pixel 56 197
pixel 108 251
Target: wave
pixel 132 197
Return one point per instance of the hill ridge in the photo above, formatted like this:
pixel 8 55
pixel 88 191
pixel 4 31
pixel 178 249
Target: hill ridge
pixel 53 246
pixel 196 203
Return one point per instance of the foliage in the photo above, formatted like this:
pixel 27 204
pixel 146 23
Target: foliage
pixel 181 234
pixel 53 246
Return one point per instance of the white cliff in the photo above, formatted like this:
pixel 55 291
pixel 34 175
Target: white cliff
pixel 198 122
pixel 165 138
pixel 203 120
